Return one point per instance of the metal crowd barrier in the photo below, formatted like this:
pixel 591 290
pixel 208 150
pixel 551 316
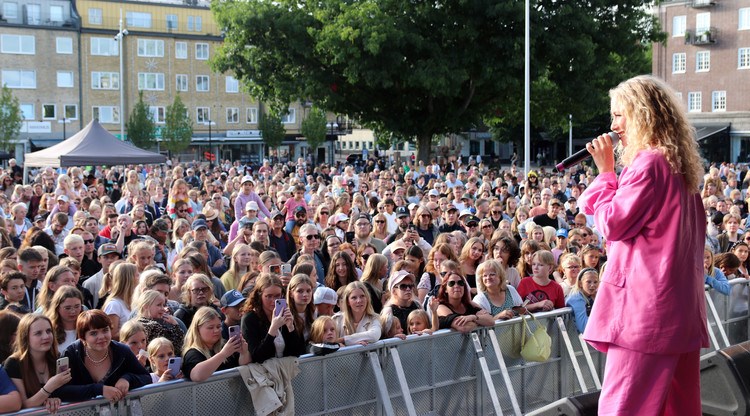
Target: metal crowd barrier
pixel 443 373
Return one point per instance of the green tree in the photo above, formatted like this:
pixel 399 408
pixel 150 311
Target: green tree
pixel 178 128
pixel 314 129
pixel 420 69
pixel 140 125
pixel 271 128
pixel 10 118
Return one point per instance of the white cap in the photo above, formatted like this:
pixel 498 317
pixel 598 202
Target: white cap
pixel 325 295
pixel 251 206
pixel 247 178
pixel 465 211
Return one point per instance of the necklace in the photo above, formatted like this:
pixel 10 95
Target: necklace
pixel 95 361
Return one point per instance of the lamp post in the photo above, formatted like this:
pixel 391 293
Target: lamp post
pixel 64 121
pixel 119 38
pixel 334 127
pixel 210 123
pixel 570 134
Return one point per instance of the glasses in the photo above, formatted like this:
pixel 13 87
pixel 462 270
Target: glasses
pixel 496 212
pixel 486 226
pixel 362 224
pixel 313 236
pixel 323 212
pixel 472 225
pixel 365 257
pixel 72 308
pixel 380 222
pixel 88 241
pixel 452 283
pixel 181 210
pixel 199 290
pixel 426 216
pixel 405 286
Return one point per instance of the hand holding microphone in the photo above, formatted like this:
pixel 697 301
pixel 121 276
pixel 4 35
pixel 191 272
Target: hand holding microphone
pixel 602 150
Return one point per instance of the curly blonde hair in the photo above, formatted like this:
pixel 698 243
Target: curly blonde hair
pixel 657 119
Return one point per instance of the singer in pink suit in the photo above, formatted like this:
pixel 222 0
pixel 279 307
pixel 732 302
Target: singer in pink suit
pixel 650 315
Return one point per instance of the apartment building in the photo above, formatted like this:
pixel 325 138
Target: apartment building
pixel 706 58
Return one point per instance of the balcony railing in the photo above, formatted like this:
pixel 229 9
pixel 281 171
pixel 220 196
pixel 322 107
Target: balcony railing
pixel 701 37
pixel 702 3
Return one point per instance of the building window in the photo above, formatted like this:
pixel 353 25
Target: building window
pixel 158 114
pixel 150 48
pixel 18 44
pixel 56 14
pixel 194 23
pixel 694 102
pixel 702 61
pixel 744 18
pixel 95 16
pixel 151 81
pixel 702 23
pixel 679 63
pixel 719 101
pixel 104 114
pixel 233 115
pixel 138 19
pixel 288 118
pixel 201 51
pixel 19 78
pixel 201 83
pixel 743 58
pixel 105 80
pixel 679 24
pixel 71 111
pixel 65 79
pixel 180 50
pixel 104 47
pixel 10 10
pixel 28 112
pixel 252 115
pixel 172 22
pixel 202 115
pixel 182 82
pixel 33 14
pixel 233 85
pixel 64 45
pixel 48 112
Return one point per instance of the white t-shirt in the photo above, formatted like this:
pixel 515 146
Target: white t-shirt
pixel 117 307
pixel 70 337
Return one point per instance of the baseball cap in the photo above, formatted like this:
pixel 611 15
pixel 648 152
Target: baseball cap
pixel 412 206
pixel 365 216
pixel 108 248
pixel 63 198
pixel 246 222
pixel 247 178
pixel 161 225
pixel 251 206
pixel 555 201
pixel 39 218
pixel 451 207
pixel 232 298
pixel 350 183
pixel 471 218
pixel 467 196
pixel 199 223
pixel 397 245
pixel 464 212
pixel 398 277
pixel 276 213
pixel 325 295
pixel 300 209
pixel 562 232
pixel 433 192
pixel 402 212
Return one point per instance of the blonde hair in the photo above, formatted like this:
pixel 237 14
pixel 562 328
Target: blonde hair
pixel 154 346
pixel 123 283
pixel 193 338
pixel 318 328
pixel 346 309
pixel 144 301
pixel 495 266
pixel 417 314
pixel 201 278
pixel 131 328
pixel 656 119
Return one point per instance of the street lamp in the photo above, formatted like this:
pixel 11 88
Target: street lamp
pixel 334 127
pixel 210 123
pixel 64 121
pixel 119 38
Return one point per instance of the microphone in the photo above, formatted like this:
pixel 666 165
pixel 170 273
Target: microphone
pixel 583 154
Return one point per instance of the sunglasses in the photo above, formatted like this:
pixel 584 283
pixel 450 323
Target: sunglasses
pixel 380 222
pixel 181 210
pixel 496 212
pixel 405 286
pixel 199 290
pixel 323 212
pixel 88 241
pixel 452 283
pixel 313 236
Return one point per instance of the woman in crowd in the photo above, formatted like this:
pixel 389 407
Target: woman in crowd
pixel 471 255
pixel 182 269
pixel 528 248
pixel 32 366
pixel 151 312
pixel 713 275
pixel 299 296
pixel 341 271
pixel 8 327
pixel 56 278
pixel 239 265
pixel 742 251
pixel 415 255
pixel 363 253
pixel 496 296
pixel 267 327
pixel 505 249
pixel 581 298
pixel 356 323
pixel 456 310
pixel 522 214
pixel 402 300
pixel 423 222
pixel 117 306
pixel 321 217
pixel 197 292
pixel 330 247
pixel 63 312
pixel 380 227
pixel 205 350
pixel 99 366
pixel 431 278
pixel 590 255
pixel 374 277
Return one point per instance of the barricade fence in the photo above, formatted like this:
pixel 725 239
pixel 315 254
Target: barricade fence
pixel 443 373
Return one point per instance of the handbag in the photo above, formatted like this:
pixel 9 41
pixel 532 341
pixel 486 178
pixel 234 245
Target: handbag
pixel 538 346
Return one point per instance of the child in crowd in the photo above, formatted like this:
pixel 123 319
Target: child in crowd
pixel 323 336
pixel 418 322
pixel 582 295
pixel 133 334
pixel 13 289
pixel 179 192
pixel 231 307
pixel 542 293
pixel 291 205
pixel 390 327
pixel 714 276
pixel 160 350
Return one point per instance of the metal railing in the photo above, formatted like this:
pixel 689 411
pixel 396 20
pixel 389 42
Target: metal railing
pixel 446 372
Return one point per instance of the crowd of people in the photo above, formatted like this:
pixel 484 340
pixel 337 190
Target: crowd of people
pixel 113 272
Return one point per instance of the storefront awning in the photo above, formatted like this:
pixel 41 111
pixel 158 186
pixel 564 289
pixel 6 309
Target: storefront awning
pixel 706 131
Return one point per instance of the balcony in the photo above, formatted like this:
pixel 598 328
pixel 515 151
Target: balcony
pixel 700 37
pixel 699 4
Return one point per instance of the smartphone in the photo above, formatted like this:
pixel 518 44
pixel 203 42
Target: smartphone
pixel 175 364
pixel 234 330
pixel 349 236
pixel 279 308
pixel 412 227
pixel 62 365
pixel 286 269
pixel 275 269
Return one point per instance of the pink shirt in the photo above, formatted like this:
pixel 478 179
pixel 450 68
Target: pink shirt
pixel 291 204
pixel 651 294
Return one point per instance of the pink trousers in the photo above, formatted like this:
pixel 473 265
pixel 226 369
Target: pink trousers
pixel 650 384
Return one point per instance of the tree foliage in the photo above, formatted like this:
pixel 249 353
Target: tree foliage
pixel 314 129
pixel 271 128
pixel 178 128
pixel 424 68
pixel 140 125
pixel 10 118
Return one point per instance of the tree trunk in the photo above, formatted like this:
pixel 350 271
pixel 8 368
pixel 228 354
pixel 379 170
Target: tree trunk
pixel 424 147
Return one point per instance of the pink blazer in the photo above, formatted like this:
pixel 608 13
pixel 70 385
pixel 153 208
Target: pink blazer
pixel 651 294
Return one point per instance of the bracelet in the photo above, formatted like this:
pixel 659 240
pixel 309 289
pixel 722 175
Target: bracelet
pixel 45 390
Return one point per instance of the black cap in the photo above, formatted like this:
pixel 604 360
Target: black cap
pixel 402 212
